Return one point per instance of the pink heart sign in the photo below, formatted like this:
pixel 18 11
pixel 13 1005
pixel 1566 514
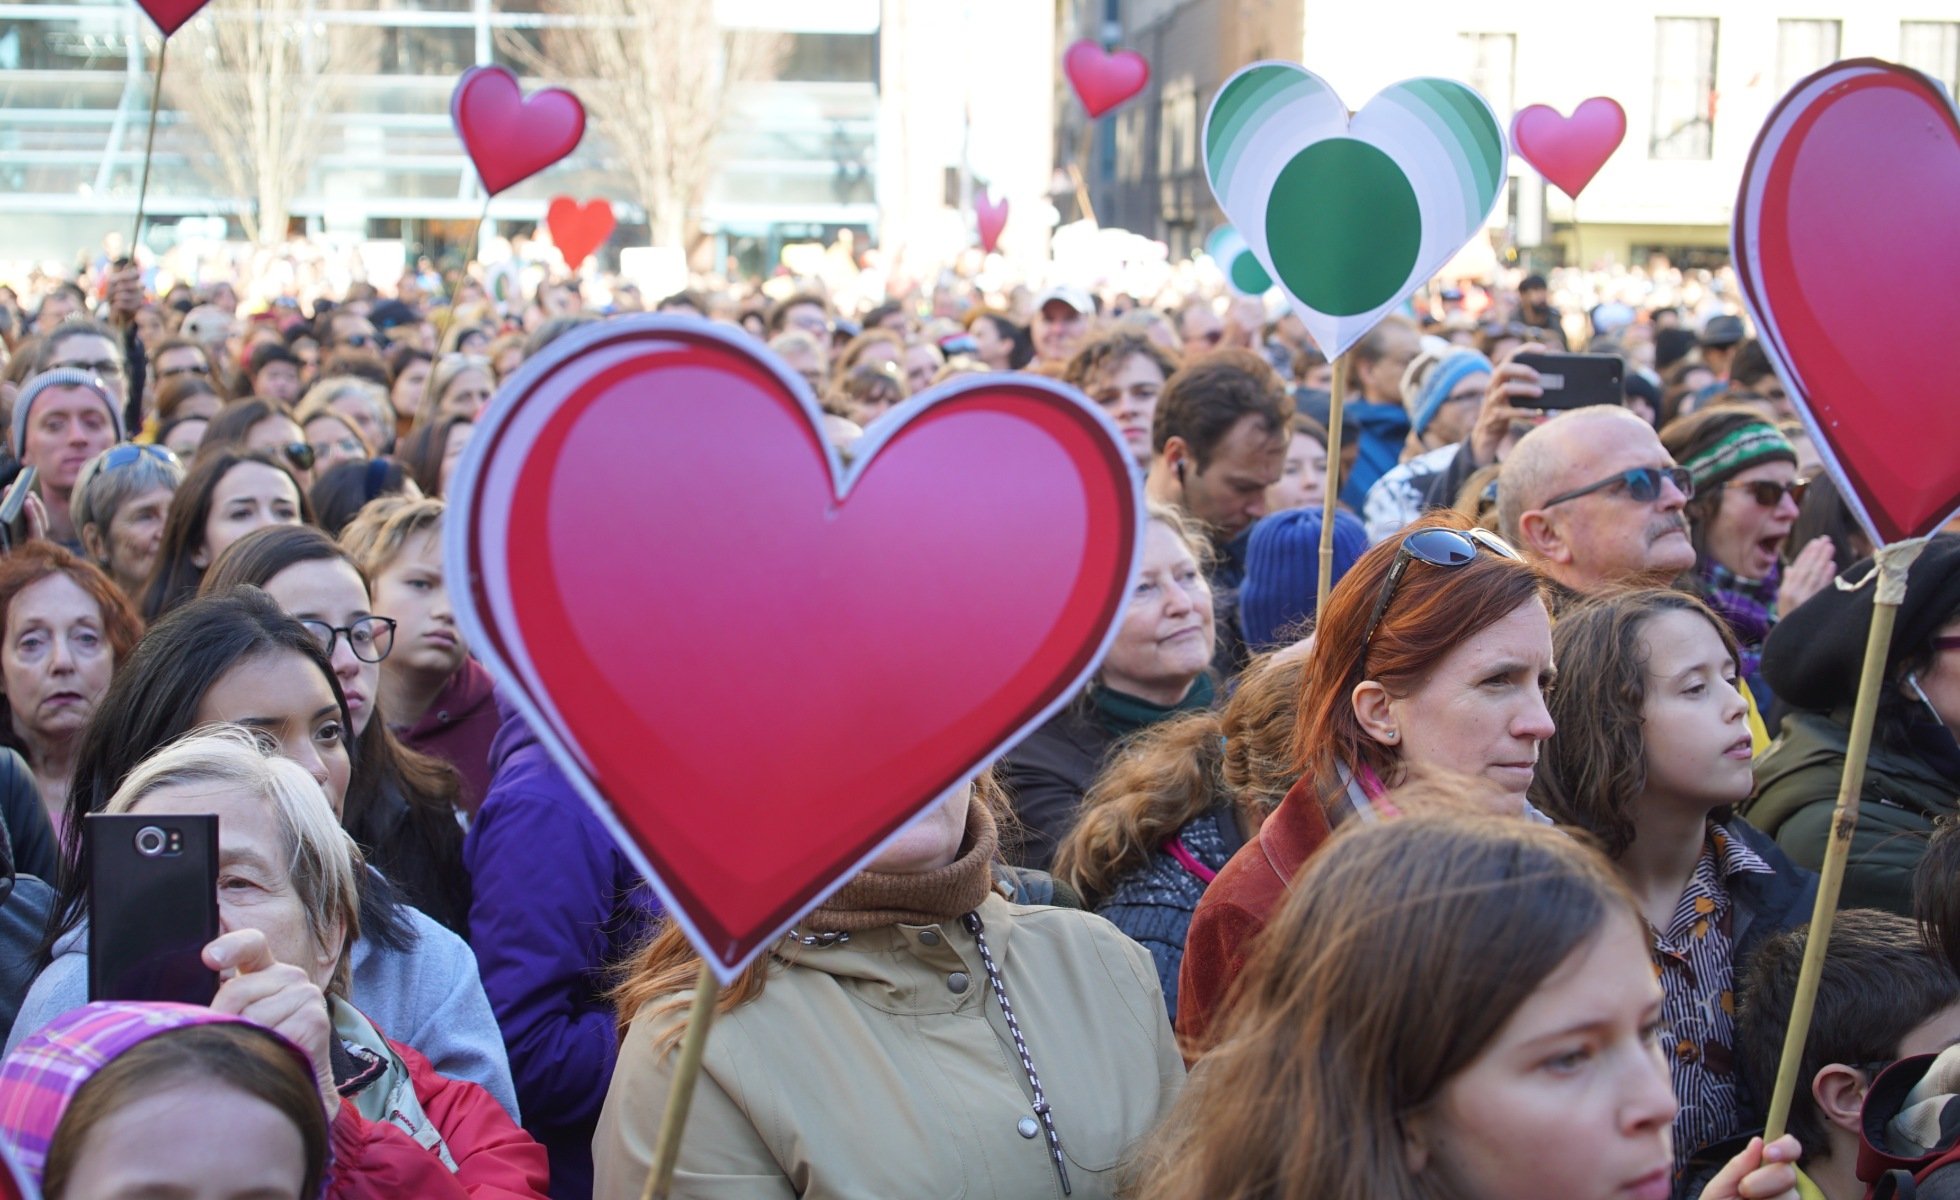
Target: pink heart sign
pixel 1569 151
pixel 1846 247
pixel 510 136
pixel 579 229
pixel 757 664
pixel 991 217
pixel 171 15
pixel 1103 80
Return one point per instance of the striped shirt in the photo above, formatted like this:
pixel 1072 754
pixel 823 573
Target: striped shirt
pixel 1694 959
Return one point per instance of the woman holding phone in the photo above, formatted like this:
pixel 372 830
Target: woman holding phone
pixel 237 658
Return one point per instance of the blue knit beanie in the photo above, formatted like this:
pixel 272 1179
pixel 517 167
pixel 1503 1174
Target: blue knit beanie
pixel 1282 571
pixel 1442 381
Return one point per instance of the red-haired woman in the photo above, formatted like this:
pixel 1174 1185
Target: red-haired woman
pixel 1434 655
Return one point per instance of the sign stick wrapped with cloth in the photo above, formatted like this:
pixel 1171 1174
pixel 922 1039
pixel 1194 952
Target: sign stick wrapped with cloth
pixel 1350 213
pixel 1846 206
pixel 759 692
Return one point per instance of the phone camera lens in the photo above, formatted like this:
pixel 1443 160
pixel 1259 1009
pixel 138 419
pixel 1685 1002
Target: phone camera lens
pixel 150 841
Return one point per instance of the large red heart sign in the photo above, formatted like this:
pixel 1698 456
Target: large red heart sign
pixel 171 15
pixel 759 665
pixel 1569 151
pixel 1847 248
pixel 579 229
pixel 510 136
pixel 1103 80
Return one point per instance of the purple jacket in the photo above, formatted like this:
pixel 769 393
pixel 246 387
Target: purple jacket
pixel 557 904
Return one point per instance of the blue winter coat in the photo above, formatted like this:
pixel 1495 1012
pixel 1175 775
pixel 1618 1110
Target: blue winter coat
pixel 556 906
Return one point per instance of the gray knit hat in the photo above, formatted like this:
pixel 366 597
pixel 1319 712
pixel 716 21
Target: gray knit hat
pixel 60 377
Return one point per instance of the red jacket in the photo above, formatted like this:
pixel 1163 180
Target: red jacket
pixel 1236 907
pixel 495 1160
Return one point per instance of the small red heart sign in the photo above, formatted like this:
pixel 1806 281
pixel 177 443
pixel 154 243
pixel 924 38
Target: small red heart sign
pixel 170 15
pixel 1846 247
pixel 991 216
pixel 579 229
pixel 510 136
pixel 1569 151
pixel 757 664
pixel 1103 80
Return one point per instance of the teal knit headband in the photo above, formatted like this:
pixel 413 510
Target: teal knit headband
pixel 1752 443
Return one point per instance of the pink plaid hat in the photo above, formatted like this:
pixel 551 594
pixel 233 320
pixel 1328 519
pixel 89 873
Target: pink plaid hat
pixel 45 1071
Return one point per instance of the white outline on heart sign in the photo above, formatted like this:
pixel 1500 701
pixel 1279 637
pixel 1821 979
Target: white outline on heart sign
pixel 1278 109
pixel 477 533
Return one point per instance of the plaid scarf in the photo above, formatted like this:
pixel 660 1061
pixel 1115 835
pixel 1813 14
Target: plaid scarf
pixel 1746 604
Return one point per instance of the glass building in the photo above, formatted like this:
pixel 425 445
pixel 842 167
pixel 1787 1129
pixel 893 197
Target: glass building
pixel 797 157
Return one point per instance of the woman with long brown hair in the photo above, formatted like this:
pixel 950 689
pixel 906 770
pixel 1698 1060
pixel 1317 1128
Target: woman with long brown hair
pixel 1651 755
pixel 1434 653
pixel 916 1035
pixel 1167 815
pixel 1449 1006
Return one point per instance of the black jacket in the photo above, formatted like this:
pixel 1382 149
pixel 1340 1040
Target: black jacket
pixel 28 828
pixel 1046 777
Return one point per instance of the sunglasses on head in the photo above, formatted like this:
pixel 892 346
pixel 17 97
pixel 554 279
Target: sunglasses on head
pixel 190 369
pixel 359 341
pixel 1642 484
pixel 1769 493
pixel 130 452
pixel 1438 548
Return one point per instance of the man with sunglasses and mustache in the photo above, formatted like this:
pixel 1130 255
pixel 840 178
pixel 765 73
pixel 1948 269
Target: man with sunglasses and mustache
pixel 1595 502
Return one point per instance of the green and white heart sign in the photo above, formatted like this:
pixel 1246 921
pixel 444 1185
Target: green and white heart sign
pixel 1351 215
pixel 1243 272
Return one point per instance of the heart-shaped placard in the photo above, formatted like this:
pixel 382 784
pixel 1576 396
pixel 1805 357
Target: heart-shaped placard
pixel 757 664
pixel 1102 79
pixel 990 216
pixel 510 136
pixel 1237 263
pixel 1351 216
pixel 171 15
pixel 579 229
pixel 1569 151
pixel 1847 247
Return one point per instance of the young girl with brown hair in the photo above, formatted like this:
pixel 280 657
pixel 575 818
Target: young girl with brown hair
pixel 1452 1006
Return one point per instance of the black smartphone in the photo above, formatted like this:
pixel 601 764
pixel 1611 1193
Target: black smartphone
pixel 152 906
pixel 13 508
pixel 1576 380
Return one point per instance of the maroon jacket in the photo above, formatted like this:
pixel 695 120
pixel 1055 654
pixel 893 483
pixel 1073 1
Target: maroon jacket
pixel 1237 906
pixel 461 723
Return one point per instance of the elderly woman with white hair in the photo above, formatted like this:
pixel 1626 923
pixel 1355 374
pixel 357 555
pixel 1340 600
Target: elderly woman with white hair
pixel 288 910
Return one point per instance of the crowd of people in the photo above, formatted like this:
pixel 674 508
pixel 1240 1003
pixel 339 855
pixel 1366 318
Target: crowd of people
pixel 1491 880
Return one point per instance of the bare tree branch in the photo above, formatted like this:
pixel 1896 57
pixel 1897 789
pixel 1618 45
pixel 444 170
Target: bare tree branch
pixel 257 78
pixel 655 76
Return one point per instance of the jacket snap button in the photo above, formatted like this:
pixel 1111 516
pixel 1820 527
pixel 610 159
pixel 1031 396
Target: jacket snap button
pixel 928 937
pixel 1027 1127
pixel 957 981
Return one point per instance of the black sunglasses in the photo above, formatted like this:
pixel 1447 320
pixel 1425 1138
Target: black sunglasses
pixel 1643 485
pixel 1438 548
pixel 1769 493
pixel 300 454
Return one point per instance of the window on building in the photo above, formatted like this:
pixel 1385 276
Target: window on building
pixel 1490 66
pixel 1802 48
pixel 427 50
pixel 830 58
pixel 1684 88
pixel 1932 47
pixel 64 44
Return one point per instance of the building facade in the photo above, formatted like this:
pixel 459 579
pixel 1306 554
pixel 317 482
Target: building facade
pixel 1696 78
pixel 854 131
